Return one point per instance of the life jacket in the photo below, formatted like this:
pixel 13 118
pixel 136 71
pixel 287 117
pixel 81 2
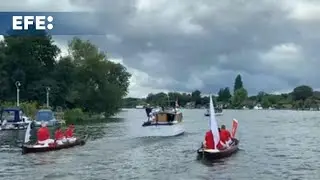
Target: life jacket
pixel 69 133
pixel 43 134
pixel 225 135
pixel 58 135
pixel 209 140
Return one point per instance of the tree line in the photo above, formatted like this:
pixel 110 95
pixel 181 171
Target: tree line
pixel 302 97
pixel 84 79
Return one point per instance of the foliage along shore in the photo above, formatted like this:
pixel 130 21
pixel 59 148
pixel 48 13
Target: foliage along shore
pixel 75 115
pixel 83 83
pixel 302 97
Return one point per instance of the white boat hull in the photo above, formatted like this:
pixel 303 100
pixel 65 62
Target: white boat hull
pixel 16 126
pixel 162 130
pixel 49 123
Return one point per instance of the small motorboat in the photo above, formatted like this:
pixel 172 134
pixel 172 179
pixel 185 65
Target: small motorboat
pixel 163 122
pixel 213 154
pixel 46 115
pixel 218 112
pixel 29 148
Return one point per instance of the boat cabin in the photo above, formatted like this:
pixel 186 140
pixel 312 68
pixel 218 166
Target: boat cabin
pixel 163 117
pixel 12 115
pixel 47 116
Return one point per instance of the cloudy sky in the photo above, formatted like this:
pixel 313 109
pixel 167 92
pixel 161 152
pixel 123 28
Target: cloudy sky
pixel 183 45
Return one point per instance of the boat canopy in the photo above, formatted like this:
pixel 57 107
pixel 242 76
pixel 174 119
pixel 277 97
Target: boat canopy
pixel 11 114
pixel 44 115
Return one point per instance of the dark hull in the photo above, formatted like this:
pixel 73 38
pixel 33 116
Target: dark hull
pixel 149 123
pixel 219 155
pixel 217 114
pixel 30 149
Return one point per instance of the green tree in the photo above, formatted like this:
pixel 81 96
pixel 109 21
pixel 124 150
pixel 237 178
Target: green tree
pixel 260 96
pixel 239 97
pixel 265 103
pixel 159 99
pixel 27 59
pixel 308 103
pixel 302 92
pixel 226 94
pixel 220 95
pixel 196 97
pixel 100 84
pixel 237 83
pixel 65 76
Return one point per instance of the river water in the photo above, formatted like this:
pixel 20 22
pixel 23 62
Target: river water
pixel 273 145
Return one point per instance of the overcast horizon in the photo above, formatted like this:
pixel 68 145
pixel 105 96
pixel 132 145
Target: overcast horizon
pixel 184 45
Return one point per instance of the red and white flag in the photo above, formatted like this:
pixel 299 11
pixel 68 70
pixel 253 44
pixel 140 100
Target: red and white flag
pixel 234 127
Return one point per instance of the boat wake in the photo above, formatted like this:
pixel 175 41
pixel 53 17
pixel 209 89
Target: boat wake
pixel 10 149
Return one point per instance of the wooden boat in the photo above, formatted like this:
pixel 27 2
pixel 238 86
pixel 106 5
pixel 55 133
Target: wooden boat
pixel 29 148
pixel 212 154
pixel 163 123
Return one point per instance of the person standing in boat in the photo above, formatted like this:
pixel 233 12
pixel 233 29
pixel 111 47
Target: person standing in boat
pixel 69 133
pixel 59 136
pixel 43 135
pixel 225 135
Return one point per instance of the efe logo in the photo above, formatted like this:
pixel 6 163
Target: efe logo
pixel 23 22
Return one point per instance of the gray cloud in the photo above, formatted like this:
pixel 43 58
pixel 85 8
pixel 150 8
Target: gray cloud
pixel 182 44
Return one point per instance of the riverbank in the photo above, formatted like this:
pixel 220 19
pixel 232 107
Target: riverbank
pixel 65 116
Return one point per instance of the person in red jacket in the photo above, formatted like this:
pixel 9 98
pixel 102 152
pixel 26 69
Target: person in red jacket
pixel 69 133
pixel 59 136
pixel 225 136
pixel 208 140
pixel 221 145
pixel 43 135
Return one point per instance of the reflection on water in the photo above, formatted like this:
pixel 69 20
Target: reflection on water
pixel 273 145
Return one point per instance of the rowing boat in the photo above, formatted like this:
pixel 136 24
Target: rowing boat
pixel 213 154
pixel 29 148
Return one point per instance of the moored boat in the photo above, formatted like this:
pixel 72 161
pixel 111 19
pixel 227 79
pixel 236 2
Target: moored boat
pixel 215 153
pixel 218 112
pixel 13 119
pixel 45 115
pixel 163 123
pixel 139 107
